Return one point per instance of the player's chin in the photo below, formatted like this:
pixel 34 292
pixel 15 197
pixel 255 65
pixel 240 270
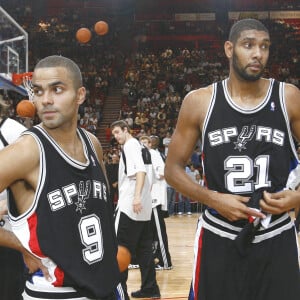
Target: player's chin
pixel 51 124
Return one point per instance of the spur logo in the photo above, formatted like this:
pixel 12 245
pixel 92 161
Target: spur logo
pixel 77 194
pixel 247 133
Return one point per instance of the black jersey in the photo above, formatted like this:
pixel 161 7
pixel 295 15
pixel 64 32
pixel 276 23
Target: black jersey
pixel 70 222
pixel 247 149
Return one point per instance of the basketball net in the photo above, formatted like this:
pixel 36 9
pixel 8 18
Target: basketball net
pixel 24 78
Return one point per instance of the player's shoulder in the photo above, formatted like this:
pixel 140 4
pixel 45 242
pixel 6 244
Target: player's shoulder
pixel 25 150
pixel 199 97
pixel 291 95
pixel 132 142
pixel 291 90
pixel 200 94
pixel 93 138
pixel 96 143
pixel 196 102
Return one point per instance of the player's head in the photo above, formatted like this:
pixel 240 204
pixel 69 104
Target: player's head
pixel 245 24
pixel 58 91
pixel 248 49
pixel 57 61
pixel 154 141
pixel 120 130
pixel 145 140
pixel 120 123
pixel 115 158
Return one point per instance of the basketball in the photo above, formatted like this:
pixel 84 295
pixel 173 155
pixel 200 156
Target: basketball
pixel 123 258
pixel 83 35
pixel 101 28
pixel 25 109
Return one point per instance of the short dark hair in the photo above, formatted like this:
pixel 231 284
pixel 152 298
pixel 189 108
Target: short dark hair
pixel 55 61
pixel 120 123
pixel 245 24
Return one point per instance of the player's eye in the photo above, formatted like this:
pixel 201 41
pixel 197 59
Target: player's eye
pixel 58 89
pixel 37 92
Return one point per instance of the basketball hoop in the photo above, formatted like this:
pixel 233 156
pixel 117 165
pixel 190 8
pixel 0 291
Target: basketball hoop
pixel 25 78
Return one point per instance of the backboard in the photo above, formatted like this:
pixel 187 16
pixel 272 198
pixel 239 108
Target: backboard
pixel 13 52
pixel 13 45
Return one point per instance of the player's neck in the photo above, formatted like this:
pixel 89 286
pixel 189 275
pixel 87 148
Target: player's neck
pixel 68 140
pixel 247 94
pixel 128 137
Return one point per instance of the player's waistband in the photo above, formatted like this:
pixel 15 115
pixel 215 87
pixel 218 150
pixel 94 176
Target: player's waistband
pixel 219 225
pixel 34 292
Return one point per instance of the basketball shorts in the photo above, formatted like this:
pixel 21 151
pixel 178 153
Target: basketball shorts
pixel 33 292
pixel 269 271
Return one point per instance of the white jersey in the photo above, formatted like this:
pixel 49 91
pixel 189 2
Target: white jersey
pixel 159 187
pixel 134 163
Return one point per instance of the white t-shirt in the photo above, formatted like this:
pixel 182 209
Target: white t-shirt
pixel 166 142
pixel 10 130
pixel 159 187
pixel 134 163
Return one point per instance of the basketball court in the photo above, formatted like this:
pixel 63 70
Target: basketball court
pixel 175 284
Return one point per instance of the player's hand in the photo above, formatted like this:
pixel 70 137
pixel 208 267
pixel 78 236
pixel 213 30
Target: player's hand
pixel 34 264
pixel 280 202
pixel 233 207
pixel 137 205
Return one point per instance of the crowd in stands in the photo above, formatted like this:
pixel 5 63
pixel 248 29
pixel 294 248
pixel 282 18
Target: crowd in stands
pixel 153 82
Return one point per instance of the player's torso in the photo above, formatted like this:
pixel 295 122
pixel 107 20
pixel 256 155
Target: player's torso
pixel 71 220
pixel 245 150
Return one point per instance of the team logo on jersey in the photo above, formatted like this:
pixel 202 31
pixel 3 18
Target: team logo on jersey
pixel 245 136
pixel 272 106
pixel 83 194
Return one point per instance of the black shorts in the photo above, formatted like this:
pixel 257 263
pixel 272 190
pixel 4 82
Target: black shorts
pixel 270 270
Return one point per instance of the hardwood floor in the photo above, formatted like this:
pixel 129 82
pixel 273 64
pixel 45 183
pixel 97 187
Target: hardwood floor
pixel 175 283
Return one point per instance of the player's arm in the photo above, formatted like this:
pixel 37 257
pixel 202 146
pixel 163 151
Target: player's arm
pixel 19 165
pixel 33 263
pixel 139 184
pixel 20 170
pixel 183 140
pixel 188 130
pixel 283 201
pixel 158 165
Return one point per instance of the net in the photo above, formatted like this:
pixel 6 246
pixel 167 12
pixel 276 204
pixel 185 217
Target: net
pixel 25 79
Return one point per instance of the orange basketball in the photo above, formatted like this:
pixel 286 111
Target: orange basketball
pixel 101 28
pixel 26 109
pixel 123 258
pixel 83 35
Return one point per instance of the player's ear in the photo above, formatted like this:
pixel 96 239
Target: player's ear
pixel 81 92
pixel 228 48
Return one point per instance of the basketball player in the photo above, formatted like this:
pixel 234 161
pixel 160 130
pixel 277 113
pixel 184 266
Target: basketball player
pixel 159 205
pixel 246 124
pixel 12 275
pixel 58 202
pixel 112 169
pixel 133 212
